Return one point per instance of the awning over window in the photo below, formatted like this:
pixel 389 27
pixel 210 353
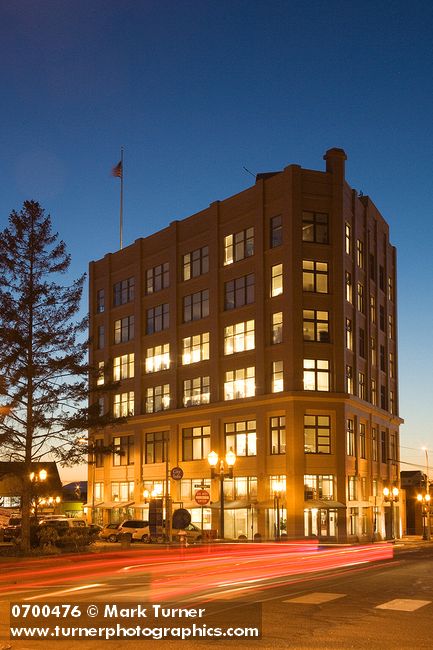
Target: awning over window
pixel 322 503
pixel 115 504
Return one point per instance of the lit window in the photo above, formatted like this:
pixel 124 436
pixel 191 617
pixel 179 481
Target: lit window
pixel 101 378
pixel 277 327
pixel 349 335
pixel 360 253
pixel 360 298
pixel 158 358
pixel 239 337
pixel 195 263
pixel 196 391
pixel 317 434
pixel 195 348
pixel 241 437
pixel 361 385
pixel 277 280
pixel 373 391
pixel 315 276
pixel 319 486
pixel 278 434
pixel 350 437
pixel 123 451
pixel 348 277
pixel 362 440
pixel 277 377
pixel 157 398
pixel 123 367
pixel 239 383
pixel 123 405
pixel 372 308
pixel 390 289
pixel 348 238
pixel 316 374
pixel 238 246
pixel 349 380
pixel 316 325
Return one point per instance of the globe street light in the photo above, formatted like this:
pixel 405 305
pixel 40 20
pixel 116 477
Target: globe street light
pixel 391 496
pixel 278 488
pixel 36 480
pixel 225 471
pixel 424 500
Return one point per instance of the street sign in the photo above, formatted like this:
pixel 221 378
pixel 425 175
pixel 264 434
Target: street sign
pixel 201 486
pixel 176 473
pixel 202 497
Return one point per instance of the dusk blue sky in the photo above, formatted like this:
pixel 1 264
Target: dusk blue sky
pixel 195 90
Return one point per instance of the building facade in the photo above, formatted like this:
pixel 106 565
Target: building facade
pixel 265 324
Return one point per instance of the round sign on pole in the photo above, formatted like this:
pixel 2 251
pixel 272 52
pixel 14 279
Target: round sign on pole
pixel 202 497
pixel 176 473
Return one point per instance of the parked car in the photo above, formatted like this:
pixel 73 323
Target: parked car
pixel 193 533
pixel 134 530
pixel 110 532
pixel 13 529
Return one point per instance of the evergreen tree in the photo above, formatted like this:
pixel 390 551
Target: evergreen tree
pixel 43 350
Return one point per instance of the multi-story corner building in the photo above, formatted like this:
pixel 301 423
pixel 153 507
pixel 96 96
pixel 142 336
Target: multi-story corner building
pixel 265 324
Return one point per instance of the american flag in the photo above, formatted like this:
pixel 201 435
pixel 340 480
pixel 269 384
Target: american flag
pixel 117 170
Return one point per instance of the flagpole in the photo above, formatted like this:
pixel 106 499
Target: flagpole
pixel 121 199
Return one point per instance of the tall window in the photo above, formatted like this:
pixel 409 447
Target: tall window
pixel 239 337
pixel 348 238
pixel 123 405
pixel 123 450
pixel 101 374
pixel 319 486
pixel 374 444
pixel 98 492
pixel 349 295
pixel 195 348
pixel 390 326
pixel 361 385
pixel 316 325
pixel 383 447
pixel 382 317
pixel 382 358
pixel 276 238
pixel 239 292
pixel 239 383
pixel 390 289
pixel 238 246
pixel 278 434
pixel 373 391
pixel 157 278
pixel 391 365
pixel 158 358
pixel 361 342
pixel 240 488
pixel 349 335
pixel 123 367
pixel 123 292
pixel 351 488
pixel 101 337
pixel 381 278
pixel 372 265
pixel 98 454
pixel 383 400
pixel 196 391
pixel 391 401
pixel 156 447
pixel 373 351
pixel 362 440
pixel 315 276
pixel 124 329
pixel 360 253
pixel 317 434
pixel 360 298
pixel 277 327
pixel 316 374
pixel 276 280
pixel 195 443
pixel 157 319
pixel 277 377
pixel 350 437
pixel 241 437
pixel 196 306
pixel 349 380
pixel 195 263
pixel 157 398
pixel 372 308
pixel 100 301
pixel 122 491
pixel 315 227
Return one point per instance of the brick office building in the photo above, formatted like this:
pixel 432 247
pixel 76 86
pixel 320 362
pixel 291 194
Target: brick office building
pixel 265 324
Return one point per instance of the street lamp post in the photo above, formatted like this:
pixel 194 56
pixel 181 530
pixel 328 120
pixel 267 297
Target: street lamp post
pixel 277 488
pixel 424 500
pixel 427 493
pixel 225 471
pixel 392 497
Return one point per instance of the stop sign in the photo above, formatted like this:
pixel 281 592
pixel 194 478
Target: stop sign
pixel 202 497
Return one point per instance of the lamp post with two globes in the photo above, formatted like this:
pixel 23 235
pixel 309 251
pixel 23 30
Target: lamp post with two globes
pixel 225 470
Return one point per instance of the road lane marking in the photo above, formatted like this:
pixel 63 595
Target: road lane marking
pixel 404 604
pixel 315 598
